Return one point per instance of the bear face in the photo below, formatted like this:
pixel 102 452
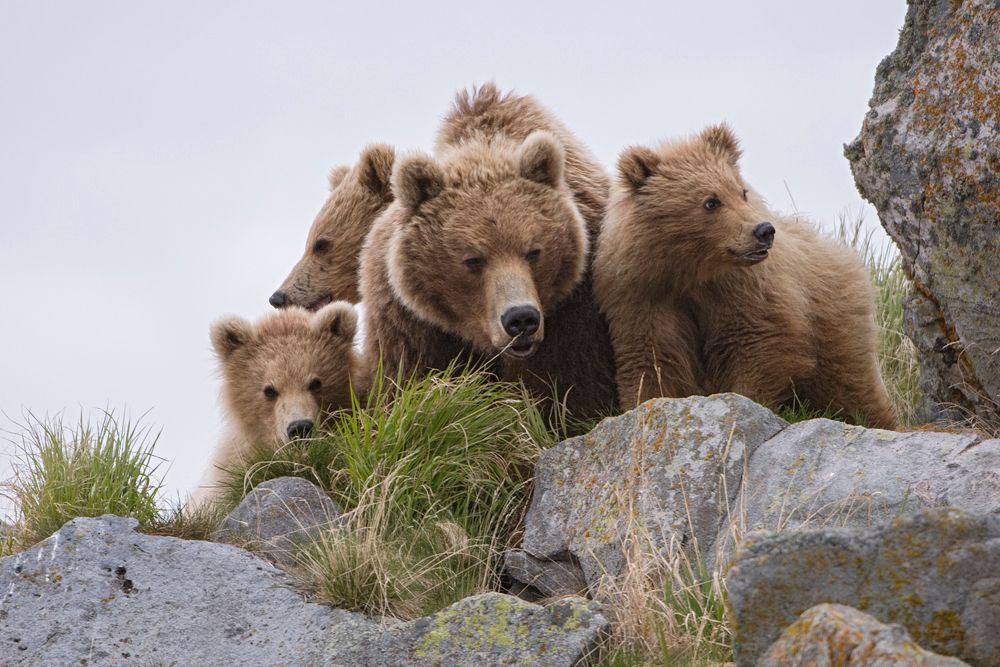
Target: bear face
pixel 692 214
pixel 486 242
pixel 282 374
pixel 328 270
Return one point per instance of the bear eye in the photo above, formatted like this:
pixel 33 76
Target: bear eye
pixel 744 195
pixel 315 385
pixel 533 255
pixel 321 246
pixel 270 392
pixel 712 203
pixel 475 263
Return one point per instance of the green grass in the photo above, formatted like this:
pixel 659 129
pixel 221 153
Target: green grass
pixel 435 475
pixel 90 468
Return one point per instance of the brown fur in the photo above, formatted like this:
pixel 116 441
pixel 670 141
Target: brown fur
pixel 690 315
pixel 285 351
pixel 328 270
pixel 507 179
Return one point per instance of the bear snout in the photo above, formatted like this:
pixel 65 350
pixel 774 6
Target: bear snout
pixel 278 300
pixel 764 233
pixel 521 321
pixel 300 428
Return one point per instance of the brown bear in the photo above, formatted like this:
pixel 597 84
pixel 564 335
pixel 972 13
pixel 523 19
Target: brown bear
pixel 484 255
pixel 328 271
pixel 280 377
pixel 707 291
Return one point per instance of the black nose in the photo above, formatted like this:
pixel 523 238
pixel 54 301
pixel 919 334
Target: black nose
pixel 764 232
pixel 521 320
pixel 300 428
pixel 278 299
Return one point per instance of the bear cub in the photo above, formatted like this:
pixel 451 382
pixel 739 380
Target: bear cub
pixel 707 291
pixel 328 270
pixel 280 377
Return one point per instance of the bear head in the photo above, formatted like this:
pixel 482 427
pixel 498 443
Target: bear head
pixel 688 210
pixel 328 269
pixel 281 375
pixel 486 240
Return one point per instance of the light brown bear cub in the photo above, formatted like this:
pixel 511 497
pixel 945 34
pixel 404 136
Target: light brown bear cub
pixel 280 377
pixel 484 254
pixel 328 271
pixel 707 291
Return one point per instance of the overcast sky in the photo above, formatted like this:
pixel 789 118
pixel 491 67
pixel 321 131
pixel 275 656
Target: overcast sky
pixel 160 163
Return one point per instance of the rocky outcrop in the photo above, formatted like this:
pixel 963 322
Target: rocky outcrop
pixel 99 593
pixel 279 516
pixel 928 158
pixel 666 472
pixel 832 634
pixel 934 573
pixel 703 471
pixel 825 473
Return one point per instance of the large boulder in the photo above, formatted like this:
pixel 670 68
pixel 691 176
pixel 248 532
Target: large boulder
pixel 278 517
pixel 928 158
pixel 936 573
pixel 665 473
pixel 832 634
pixel 822 473
pixel 99 593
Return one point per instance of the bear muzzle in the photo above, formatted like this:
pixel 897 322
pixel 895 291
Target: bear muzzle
pixel 521 323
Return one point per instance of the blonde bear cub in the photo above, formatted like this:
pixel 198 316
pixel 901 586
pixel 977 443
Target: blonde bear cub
pixel 280 377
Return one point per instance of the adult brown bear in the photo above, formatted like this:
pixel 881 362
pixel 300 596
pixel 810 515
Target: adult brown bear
pixel 484 255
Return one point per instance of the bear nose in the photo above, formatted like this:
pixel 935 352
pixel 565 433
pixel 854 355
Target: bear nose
pixel 278 299
pixel 521 320
pixel 300 428
pixel 764 232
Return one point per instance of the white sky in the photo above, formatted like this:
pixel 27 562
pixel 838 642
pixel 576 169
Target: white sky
pixel 160 163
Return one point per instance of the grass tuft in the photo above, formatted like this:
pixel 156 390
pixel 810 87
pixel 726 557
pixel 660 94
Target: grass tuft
pixel 90 468
pixel 434 474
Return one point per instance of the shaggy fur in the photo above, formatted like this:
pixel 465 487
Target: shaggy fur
pixel 328 271
pixel 292 365
pixel 696 307
pixel 502 216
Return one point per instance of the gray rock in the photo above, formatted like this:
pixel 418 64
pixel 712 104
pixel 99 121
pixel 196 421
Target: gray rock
pixel 936 573
pixel 832 634
pixel 666 472
pixel 825 473
pixel 278 516
pixel 99 593
pixel 928 158
pixel 488 629
pixel 551 578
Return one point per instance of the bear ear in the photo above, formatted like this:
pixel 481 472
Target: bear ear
pixel 635 165
pixel 337 175
pixel 375 168
pixel 338 319
pixel 724 141
pixel 415 179
pixel 230 334
pixel 541 159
